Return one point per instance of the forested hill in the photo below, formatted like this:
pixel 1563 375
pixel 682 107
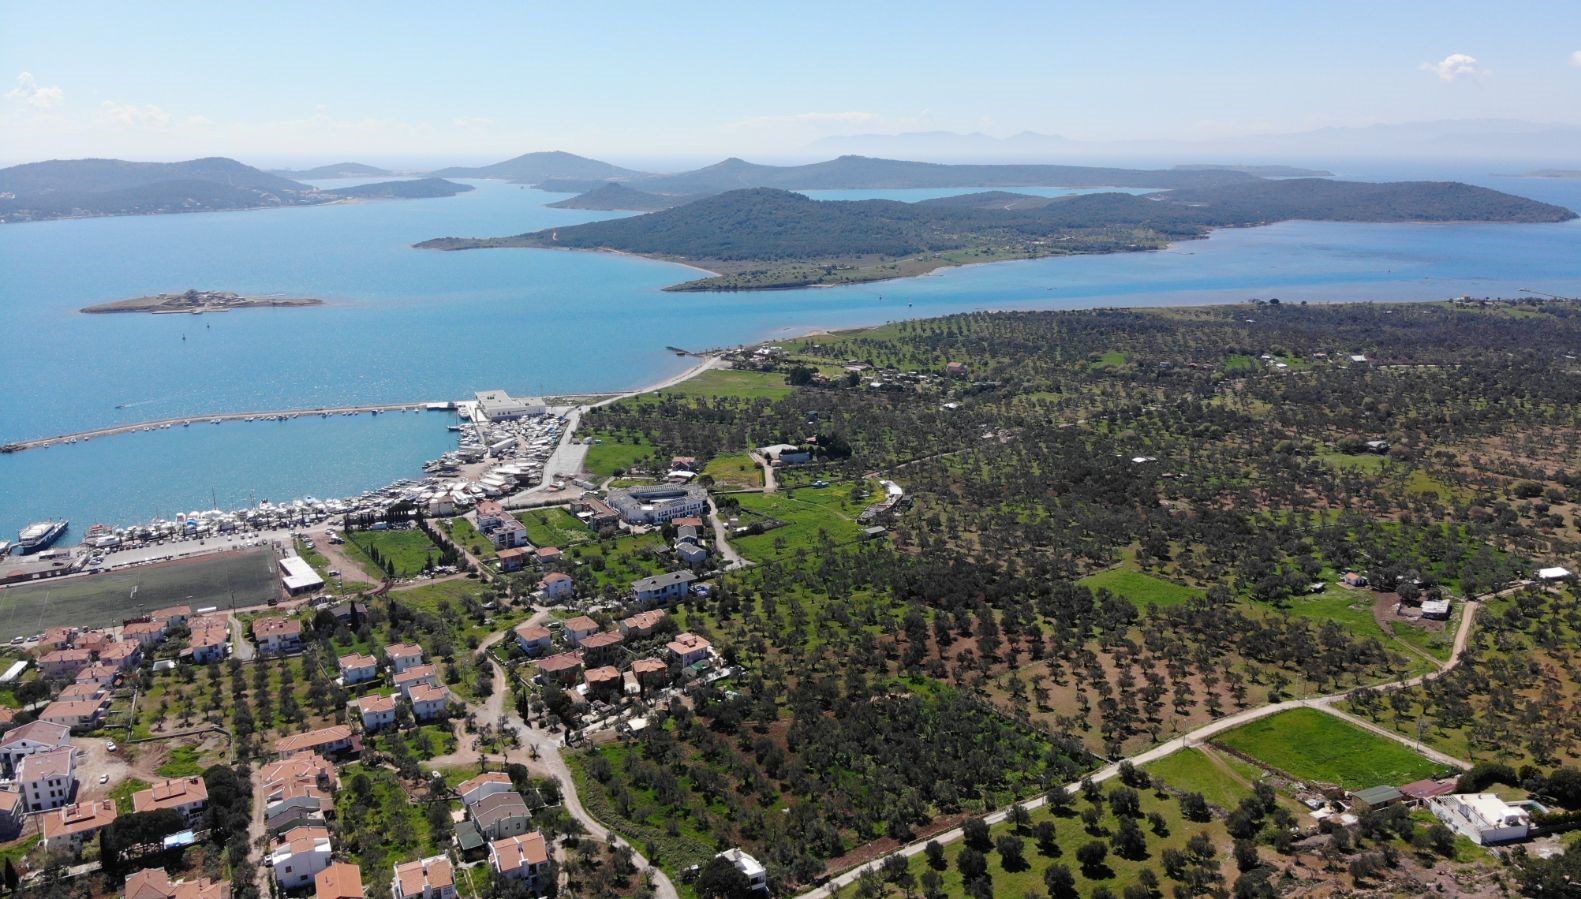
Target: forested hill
pixel 72 188
pixel 532 168
pixel 613 195
pixel 1355 201
pixel 862 172
pixel 762 225
pixel 418 189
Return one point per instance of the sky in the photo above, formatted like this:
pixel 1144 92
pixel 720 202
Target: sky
pixel 635 82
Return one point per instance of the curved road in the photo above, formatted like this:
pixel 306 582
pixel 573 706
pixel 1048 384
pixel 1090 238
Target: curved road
pixel 1186 741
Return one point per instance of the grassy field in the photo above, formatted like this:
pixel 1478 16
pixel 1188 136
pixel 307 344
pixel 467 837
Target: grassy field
pixel 183 762
pixel 379 824
pixel 618 562
pixel 806 513
pixel 734 470
pixel 725 382
pixel 1371 463
pixel 408 550
pixel 615 452
pixel 248 577
pixel 463 532
pixel 1311 745
pixel 554 527
pixel 1141 589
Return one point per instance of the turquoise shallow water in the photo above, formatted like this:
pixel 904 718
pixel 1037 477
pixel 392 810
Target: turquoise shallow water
pixel 407 325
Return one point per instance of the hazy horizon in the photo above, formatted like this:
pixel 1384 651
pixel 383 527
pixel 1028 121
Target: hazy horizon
pixel 297 84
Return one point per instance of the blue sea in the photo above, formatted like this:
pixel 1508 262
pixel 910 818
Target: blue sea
pixel 407 325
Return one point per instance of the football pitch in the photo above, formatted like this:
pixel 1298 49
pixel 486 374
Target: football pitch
pixel 224 580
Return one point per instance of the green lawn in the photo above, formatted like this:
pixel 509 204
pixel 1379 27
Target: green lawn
pixel 464 533
pixel 805 512
pixel 725 382
pixel 407 550
pixel 616 452
pixel 1370 463
pixel 734 470
pixel 1194 771
pixel 553 527
pixel 1311 745
pixel 1141 589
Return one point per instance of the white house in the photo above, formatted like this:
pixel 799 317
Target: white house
pixel 663 587
pixel 301 853
pixel 31 738
pixel 556 585
pixel 358 667
pixel 277 635
pixel 378 712
pixel 757 876
pixel 521 857
pixel 428 878
pixel 534 640
pixel 429 703
pixel 483 786
pixel 70 826
pixel 689 648
pixel 48 778
pixel 416 676
pixel 404 655
pixel 187 795
pixel 1554 574
pixel 1483 817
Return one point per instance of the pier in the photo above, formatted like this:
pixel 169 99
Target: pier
pixel 215 417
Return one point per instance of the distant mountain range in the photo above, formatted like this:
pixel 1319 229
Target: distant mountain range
pixel 73 188
pixel 335 170
pixel 1434 140
pixel 763 238
pixel 533 168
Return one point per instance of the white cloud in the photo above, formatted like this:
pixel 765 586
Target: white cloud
pixel 1454 66
pixel 472 121
pixel 199 121
pixel 29 91
pixel 133 116
pixel 1575 59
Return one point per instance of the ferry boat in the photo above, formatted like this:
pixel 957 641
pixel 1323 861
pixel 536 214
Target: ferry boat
pixel 39 535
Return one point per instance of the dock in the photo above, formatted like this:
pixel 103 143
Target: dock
pixel 216 417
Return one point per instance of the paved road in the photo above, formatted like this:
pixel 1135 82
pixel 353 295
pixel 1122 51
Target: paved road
pixel 733 559
pixel 1201 734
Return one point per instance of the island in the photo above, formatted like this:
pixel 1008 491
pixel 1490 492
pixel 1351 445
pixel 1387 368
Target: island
pixel 82 188
pixel 335 170
pixel 196 302
pixel 765 238
pixel 614 196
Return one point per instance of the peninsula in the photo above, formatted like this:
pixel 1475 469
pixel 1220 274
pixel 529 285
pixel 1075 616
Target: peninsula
pixel 82 188
pixel 764 238
pixel 196 302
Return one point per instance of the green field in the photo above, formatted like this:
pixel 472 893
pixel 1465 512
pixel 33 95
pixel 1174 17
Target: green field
pixel 615 453
pixel 805 513
pixel 243 578
pixel 734 470
pixel 1141 589
pixel 553 527
pixel 408 551
pixel 724 382
pixel 464 533
pixel 1311 745
pixel 1371 463
pixel 1222 779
